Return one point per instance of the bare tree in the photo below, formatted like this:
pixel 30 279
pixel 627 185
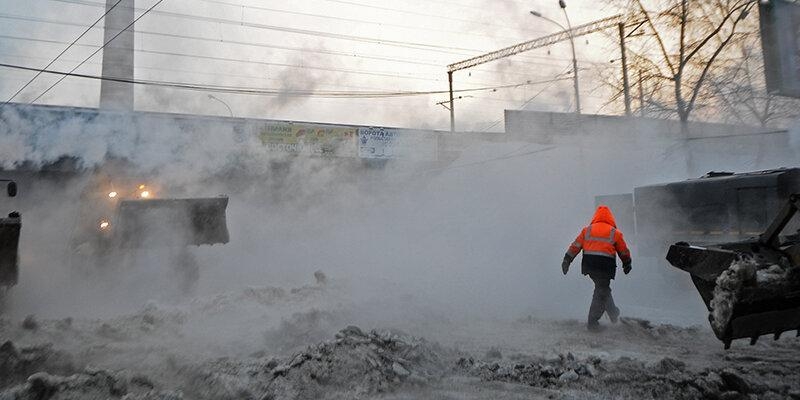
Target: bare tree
pixel 685 42
pixel 740 90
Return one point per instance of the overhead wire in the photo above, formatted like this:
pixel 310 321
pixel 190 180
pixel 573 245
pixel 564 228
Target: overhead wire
pixel 336 18
pixel 267 91
pixel 98 50
pixel 524 60
pixel 257 62
pixel 89 28
pixel 182 71
pixel 266 63
pixel 299 31
pixel 372 6
pixel 413 45
pixel 528 101
pixel 216 20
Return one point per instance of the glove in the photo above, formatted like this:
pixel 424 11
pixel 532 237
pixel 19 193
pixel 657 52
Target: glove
pixel 626 268
pixel 565 264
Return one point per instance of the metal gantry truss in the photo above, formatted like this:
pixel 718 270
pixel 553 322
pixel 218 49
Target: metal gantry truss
pixel 518 48
pixel 543 41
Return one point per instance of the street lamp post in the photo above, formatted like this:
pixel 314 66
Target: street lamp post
pixel 563 6
pixel 212 97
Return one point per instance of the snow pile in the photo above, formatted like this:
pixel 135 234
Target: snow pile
pixel 354 365
pixel 627 378
pixel 540 373
pixel 42 373
pixel 744 272
pixel 88 385
pixel 727 290
pixel 16 364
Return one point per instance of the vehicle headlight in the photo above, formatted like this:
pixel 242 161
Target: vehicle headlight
pixel 112 194
pixel 144 194
pixel 104 225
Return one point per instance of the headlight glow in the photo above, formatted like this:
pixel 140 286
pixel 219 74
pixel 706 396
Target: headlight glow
pixel 104 225
pixel 141 186
pixel 144 194
pixel 112 194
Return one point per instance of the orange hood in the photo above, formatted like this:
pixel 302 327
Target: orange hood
pixel 604 215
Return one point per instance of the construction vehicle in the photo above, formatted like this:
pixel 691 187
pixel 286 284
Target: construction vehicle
pixel 717 207
pixel 765 270
pixel 122 218
pixel 9 243
pixel 718 219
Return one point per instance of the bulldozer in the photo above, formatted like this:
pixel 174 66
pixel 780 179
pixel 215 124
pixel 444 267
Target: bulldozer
pixel 122 218
pixel 750 287
pixel 9 243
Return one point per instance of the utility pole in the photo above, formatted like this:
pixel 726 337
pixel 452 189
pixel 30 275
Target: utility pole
pixel 625 84
pixel 563 6
pixel 452 110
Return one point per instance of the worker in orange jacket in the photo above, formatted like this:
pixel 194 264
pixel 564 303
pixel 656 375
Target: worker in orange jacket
pixel 600 242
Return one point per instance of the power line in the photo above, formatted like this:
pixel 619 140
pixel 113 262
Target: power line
pixel 266 63
pixel 63 51
pixel 402 44
pixel 233 75
pixel 523 59
pixel 299 31
pixel 98 50
pixel 236 60
pixel 262 91
pixel 528 101
pixel 183 71
pixel 382 23
pixel 419 13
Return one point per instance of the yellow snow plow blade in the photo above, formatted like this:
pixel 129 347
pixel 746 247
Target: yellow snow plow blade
pixel 172 222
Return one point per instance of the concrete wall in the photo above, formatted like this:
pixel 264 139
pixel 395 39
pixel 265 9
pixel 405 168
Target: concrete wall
pixel 708 147
pixel 38 135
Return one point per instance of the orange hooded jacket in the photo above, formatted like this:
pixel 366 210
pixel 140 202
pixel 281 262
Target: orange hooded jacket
pixel 601 238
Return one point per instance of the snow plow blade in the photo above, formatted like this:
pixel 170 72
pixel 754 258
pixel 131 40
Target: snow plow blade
pixel 172 222
pixel 9 245
pixel 750 288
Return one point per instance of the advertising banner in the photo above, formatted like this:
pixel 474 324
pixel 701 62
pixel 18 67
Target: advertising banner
pixel 388 143
pixel 309 139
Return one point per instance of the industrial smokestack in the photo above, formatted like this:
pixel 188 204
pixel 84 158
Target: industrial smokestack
pixel 118 57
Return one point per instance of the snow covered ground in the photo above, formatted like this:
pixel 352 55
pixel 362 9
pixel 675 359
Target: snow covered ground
pixel 315 341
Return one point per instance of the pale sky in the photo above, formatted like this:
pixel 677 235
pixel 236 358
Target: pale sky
pixel 321 45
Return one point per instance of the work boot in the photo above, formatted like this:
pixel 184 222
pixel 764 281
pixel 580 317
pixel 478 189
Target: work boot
pixel 613 315
pixel 594 326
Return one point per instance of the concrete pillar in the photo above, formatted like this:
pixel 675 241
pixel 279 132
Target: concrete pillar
pixel 118 57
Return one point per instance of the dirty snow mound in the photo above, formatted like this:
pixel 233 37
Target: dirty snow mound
pixel 16 364
pixel 89 385
pixel 354 365
pixel 626 378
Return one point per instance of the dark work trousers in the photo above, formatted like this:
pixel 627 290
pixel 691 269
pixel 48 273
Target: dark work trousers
pixel 601 300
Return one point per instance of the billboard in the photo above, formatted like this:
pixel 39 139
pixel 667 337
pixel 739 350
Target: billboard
pixel 780 43
pixel 309 139
pixel 385 143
